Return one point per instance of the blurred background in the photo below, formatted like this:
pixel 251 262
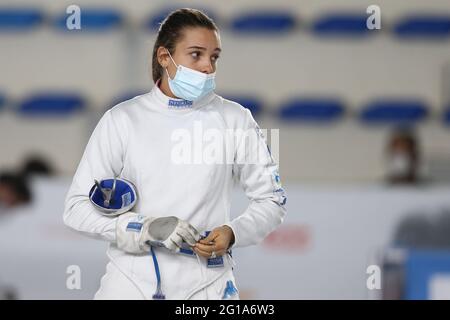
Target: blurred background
pixel 364 149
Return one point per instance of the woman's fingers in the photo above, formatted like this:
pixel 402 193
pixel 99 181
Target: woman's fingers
pixel 206 247
pixel 202 252
pixel 210 248
pixel 207 254
pixel 212 236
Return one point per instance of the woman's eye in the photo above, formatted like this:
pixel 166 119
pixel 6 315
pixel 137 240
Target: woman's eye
pixel 195 55
pixel 214 58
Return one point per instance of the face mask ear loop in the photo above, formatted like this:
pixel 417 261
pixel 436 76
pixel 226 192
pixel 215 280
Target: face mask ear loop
pixel 167 73
pixel 172 61
pixel 171 58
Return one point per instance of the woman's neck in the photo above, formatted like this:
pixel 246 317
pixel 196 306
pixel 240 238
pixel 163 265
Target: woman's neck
pixel 164 86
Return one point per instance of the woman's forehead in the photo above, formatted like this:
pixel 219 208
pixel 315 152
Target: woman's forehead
pixel 201 38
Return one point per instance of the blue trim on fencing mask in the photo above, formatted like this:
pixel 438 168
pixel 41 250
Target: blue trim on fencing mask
pixel 113 196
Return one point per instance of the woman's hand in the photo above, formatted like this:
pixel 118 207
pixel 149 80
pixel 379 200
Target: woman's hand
pixel 219 240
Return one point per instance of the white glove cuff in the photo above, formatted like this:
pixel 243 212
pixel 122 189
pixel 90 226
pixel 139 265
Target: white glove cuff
pixel 131 230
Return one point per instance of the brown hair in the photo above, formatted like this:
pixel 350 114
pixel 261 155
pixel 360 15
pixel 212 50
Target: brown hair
pixel 170 32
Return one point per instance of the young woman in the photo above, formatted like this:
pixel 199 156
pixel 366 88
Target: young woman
pixel 179 200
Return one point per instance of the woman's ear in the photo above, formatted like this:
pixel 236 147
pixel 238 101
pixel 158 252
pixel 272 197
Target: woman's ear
pixel 163 57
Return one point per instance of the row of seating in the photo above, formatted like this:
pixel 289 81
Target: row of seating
pixel 309 109
pixel 432 25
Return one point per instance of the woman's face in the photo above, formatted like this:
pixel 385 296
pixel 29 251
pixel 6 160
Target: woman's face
pixel 198 49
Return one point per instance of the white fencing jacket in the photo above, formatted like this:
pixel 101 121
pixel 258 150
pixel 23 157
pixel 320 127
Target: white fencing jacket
pixel 142 140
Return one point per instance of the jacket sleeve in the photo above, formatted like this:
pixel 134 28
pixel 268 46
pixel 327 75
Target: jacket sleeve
pixel 102 158
pixel 256 171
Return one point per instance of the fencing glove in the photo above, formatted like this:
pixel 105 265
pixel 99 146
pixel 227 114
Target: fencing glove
pixel 136 233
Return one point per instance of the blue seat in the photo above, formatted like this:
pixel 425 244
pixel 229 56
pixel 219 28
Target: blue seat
pixel 447 116
pixel 2 101
pixel 251 103
pixel 320 110
pixel 52 104
pixel 393 111
pixel 93 19
pixel 154 20
pixel 342 24
pixel 423 26
pixel 264 22
pixel 20 19
pixel 127 96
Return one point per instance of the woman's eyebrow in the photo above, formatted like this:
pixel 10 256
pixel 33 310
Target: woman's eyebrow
pixel 203 48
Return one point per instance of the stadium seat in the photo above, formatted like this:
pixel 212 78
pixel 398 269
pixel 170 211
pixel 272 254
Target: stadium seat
pixel 447 116
pixel 2 101
pixel 52 104
pixel 126 96
pixel 393 111
pixel 251 103
pixel 20 19
pixel 264 22
pixel 94 19
pixel 320 110
pixel 423 26
pixel 341 24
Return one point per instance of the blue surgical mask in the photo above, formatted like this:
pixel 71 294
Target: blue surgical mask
pixel 190 84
